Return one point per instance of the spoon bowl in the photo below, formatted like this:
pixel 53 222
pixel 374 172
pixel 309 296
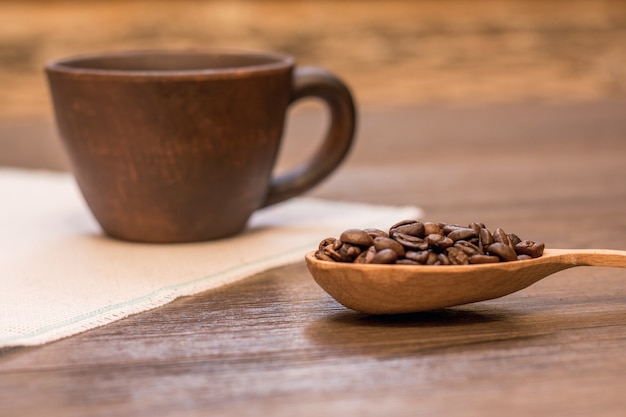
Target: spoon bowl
pixel 393 289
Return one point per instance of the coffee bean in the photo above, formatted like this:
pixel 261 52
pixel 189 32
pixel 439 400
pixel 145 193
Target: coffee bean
pixel 462 233
pixel 442 259
pixel 322 256
pixel 331 249
pixel 385 256
pixel 332 253
pixel 420 257
pixel 476 227
pixel 514 239
pixel 411 242
pixel 432 258
pixel 439 242
pixel 432 228
pixel 502 251
pixel 468 248
pixel 348 252
pixel 485 238
pixel 483 259
pixel 326 242
pixel 445 243
pixel 366 256
pixel 457 257
pixel 376 233
pixel 408 227
pixel 357 237
pixel 449 227
pixel 530 248
pixel 381 243
pixel 406 261
pixel 500 236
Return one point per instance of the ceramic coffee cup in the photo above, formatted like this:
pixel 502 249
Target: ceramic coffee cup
pixel 179 146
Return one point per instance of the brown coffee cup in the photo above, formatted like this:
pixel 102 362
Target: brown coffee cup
pixel 179 146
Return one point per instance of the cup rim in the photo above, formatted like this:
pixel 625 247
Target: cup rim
pixel 276 62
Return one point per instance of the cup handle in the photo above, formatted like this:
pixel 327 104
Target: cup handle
pixel 317 82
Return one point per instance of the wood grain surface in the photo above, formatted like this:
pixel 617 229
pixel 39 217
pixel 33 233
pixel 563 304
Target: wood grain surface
pixel 276 344
pixel 393 52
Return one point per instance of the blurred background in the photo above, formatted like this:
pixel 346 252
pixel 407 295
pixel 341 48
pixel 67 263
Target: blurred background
pixel 392 53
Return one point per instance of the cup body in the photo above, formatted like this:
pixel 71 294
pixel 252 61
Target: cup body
pixel 172 146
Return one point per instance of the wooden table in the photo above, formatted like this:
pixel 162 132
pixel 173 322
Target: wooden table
pixel 277 345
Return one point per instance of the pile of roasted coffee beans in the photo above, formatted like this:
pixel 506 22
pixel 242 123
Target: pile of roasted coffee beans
pixel 411 242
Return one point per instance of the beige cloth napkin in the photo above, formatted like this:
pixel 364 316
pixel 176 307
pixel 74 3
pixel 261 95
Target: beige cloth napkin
pixel 59 275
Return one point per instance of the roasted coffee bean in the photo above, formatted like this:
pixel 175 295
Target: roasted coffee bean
pixel 439 242
pixel 366 256
pixel 348 252
pixel 421 256
pixel 411 242
pixel 485 238
pixel 483 259
pixel 530 248
pixel 462 233
pixel 500 236
pixel 457 257
pixel 332 250
pixel 433 238
pixel 332 253
pixel 361 258
pixel 381 243
pixel 326 242
pixel 502 251
pixel 514 239
pixel 357 237
pixel 449 228
pixel 432 258
pixel 322 256
pixel 408 227
pixel 406 261
pixel 445 243
pixel 432 228
pixel 476 227
pixel 385 256
pixel 468 248
pixel 442 259
pixel 376 233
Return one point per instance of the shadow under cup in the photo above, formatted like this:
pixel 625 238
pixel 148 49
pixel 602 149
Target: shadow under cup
pixel 179 146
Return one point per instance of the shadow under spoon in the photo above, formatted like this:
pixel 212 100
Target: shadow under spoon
pixel 393 289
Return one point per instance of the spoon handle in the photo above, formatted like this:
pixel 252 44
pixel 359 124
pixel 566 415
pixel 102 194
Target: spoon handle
pixel 594 257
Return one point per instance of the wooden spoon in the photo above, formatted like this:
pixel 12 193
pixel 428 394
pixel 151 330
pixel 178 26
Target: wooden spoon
pixel 391 289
